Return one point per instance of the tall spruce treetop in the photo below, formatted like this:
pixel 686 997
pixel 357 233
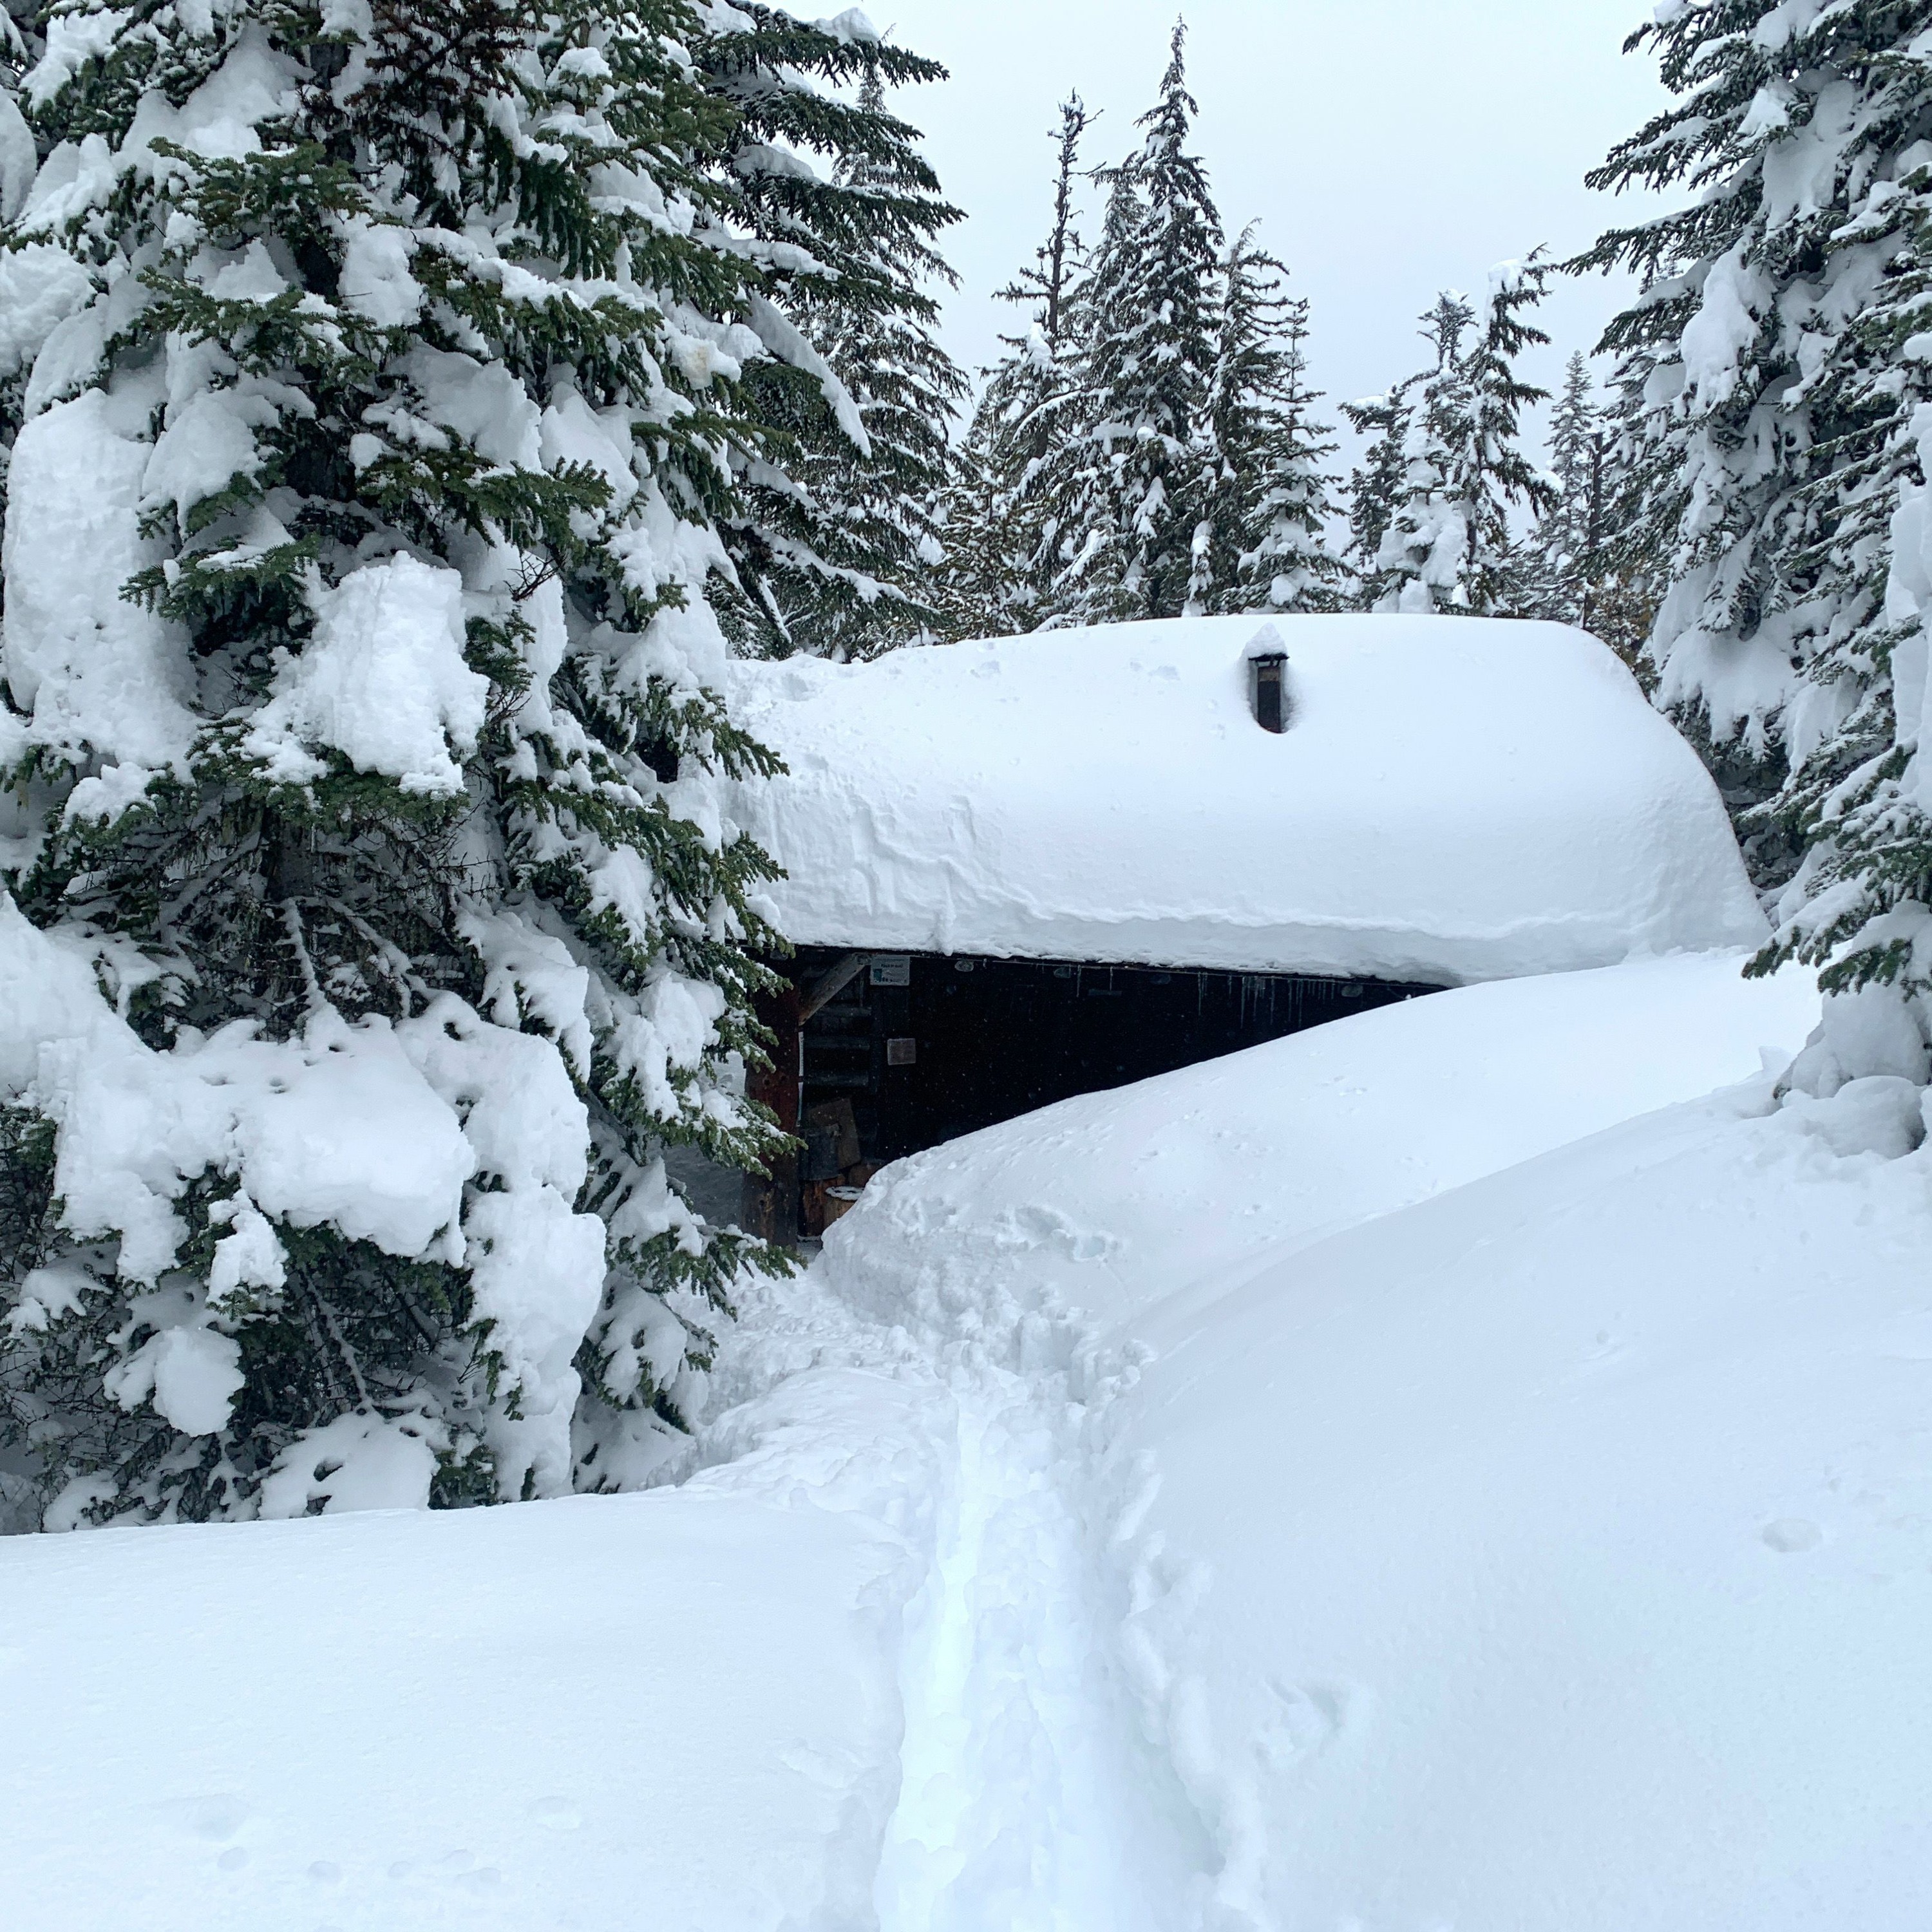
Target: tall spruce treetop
pixel 1375 485
pixel 1419 562
pixel 1130 504
pixel 837 542
pixel 1573 532
pixel 1780 344
pixel 998 571
pixel 1080 557
pixel 1589 561
pixel 1272 452
pixel 1263 499
pixel 882 509
pixel 1495 473
pixel 1448 545
pixel 379 921
pixel 1046 287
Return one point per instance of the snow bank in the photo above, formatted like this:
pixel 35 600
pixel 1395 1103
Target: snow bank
pixel 1558 1553
pixel 532 1717
pixel 1112 1200
pixel 1454 799
pixel 1504 1501
pixel 1529 1525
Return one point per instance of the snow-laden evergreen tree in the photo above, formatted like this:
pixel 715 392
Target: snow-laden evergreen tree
pixel 1572 533
pixel 838 547
pixel 40 284
pixel 1770 338
pixel 1265 492
pixel 371 924
pixel 1419 560
pixel 1633 563
pixel 1591 561
pixel 1125 495
pixel 908 392
pixel 997 575
pixel 1046 289
pixel 1374 487
pixel 992 581
pixel 1781 339
pixel 1497 474
pixel 1449 545
pixel 1079 559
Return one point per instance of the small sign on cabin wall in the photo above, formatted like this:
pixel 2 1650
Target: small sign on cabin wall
pixel 892 969
pixel 901 1053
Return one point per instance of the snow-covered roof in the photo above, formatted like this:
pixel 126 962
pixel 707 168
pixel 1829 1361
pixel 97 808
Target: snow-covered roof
pixel 1454 799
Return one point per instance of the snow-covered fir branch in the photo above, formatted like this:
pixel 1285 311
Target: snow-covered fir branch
pixel 1775 380
pixel 387 391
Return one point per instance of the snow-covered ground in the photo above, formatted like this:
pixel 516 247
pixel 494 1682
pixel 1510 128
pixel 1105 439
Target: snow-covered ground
pixel 1456 1469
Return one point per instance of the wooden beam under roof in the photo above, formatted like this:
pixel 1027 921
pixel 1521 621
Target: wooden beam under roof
pixel 830 985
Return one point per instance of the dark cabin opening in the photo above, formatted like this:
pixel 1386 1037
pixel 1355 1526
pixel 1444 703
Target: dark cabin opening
pixel 897 1052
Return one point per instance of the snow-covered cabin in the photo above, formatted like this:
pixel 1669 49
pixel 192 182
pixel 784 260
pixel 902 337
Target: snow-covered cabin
pixel 1036 866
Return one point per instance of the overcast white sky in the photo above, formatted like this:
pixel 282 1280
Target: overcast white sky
pixel 1388 147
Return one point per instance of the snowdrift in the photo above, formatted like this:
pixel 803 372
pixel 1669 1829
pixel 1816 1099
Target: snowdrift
pixel 1523 1511
pixel 1439 1472
pixel 1453 800
pixel 678 1709
pixel 1558 1552
pixel 1111 1202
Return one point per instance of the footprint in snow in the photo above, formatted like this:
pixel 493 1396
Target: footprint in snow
pixel 214 1816
pixel 1304 1719
pixel 1792 1535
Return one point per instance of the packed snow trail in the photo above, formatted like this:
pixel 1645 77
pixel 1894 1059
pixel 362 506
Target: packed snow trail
pixel 1029 1797
pixel 1021 1780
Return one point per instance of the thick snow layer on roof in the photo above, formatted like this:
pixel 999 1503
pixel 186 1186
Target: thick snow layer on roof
pixel 1454 799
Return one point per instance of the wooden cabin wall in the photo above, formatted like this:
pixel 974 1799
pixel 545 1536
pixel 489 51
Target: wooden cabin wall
pixel 772 1201
pixel 885 1070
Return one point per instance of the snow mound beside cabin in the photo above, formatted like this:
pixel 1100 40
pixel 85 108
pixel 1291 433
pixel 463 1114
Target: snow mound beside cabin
pixel 1564 1545
pixel 1110 1202
pixel 1502 1544
pixel 1454 799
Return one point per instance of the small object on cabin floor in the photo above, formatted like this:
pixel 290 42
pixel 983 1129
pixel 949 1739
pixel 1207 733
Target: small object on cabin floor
pixel 821 1160
pixel 812 1208
pixel 901 1053
pixel 833 1122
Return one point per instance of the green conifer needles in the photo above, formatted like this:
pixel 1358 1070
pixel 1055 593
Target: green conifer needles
pixel 384 381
